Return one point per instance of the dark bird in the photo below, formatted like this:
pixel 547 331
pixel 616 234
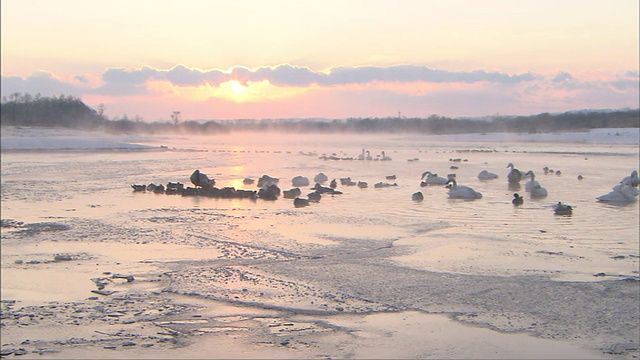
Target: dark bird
pixel 517 200
pixel 563 209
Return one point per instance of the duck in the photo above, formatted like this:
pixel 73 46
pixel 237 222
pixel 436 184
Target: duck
pixel 538 192
pixel 432 179
pixel 562 209
pixel 517 199
pixel 514 175
pixel 333 184
pixel 363 184
pixel 137 187
pixel 485 175
pixel 314 196
pixel 461 192
pixel 300 202
pixel 531 183
pixel 417 196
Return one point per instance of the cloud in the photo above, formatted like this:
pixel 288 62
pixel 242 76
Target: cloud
pixel 38 83
pixel 562 77
pixel 342 91
pixel 297 76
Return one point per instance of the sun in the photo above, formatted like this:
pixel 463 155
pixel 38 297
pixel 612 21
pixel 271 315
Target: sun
pixel 237 88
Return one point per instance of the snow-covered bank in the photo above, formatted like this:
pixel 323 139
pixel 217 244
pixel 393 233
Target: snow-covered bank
pixel 23 138
pixel 593 136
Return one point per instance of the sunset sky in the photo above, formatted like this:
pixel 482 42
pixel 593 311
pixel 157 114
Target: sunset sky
pixel 324 59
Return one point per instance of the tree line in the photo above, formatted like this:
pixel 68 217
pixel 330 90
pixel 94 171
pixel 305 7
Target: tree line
pixel 71 112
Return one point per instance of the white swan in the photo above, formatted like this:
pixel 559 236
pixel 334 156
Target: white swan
pixel 485 175
pixel 621 193
pixel 320 178
pixel 631 180
pixel 432 179
pixel 300 181
pixel 531 183
pixel 538 192
pixel 361 156
pixel 369 157
pixel 515 175
pixel 385 157
pixel 201 179
pixel 461 192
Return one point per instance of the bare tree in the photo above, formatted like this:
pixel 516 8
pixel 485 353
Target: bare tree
pixel 176 117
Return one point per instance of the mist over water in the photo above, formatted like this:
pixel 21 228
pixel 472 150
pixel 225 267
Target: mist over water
pixel 438 255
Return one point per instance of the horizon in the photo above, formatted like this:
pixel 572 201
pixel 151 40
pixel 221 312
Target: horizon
pixel 286 60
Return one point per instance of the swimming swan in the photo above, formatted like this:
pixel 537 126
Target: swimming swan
pixel 461 192
pixel 621 194
pixel 538 192
pixel 531 183
pixel 432 179
pixel 515 175
pixel 485 175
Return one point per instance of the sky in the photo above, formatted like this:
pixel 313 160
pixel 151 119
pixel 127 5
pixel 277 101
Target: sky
pixel 215 60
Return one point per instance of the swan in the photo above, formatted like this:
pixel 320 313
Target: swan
pixel 485 175
pixel 385 157
pixel 531 183
pixel 201 179
pixel 347 181
pixel 300 181
pixel 369 157
pixel 432 179
pixel 267 180
pixel 538 192
pixel 621 193
pixel 320 178
pixel 517 199
pixel 631 180
pixel 361 156
pixel 292 193
pixel 515 175
pixel 461 192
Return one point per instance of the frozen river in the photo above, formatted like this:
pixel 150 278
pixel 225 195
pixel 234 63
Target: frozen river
pixel 368 250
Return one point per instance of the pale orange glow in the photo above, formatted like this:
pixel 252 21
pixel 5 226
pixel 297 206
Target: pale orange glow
pixel 231 90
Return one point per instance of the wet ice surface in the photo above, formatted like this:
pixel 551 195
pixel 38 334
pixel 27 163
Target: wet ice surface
pixel 367 251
